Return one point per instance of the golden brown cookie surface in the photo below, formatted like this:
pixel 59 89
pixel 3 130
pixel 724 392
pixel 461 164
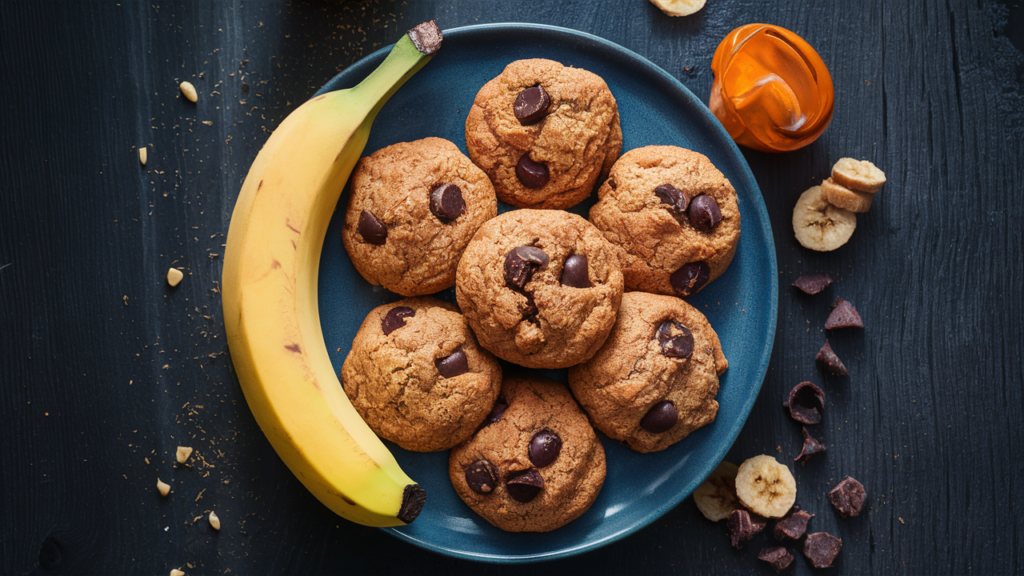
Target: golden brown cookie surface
pixel 661 351
pixel 417 375
pixel 575 137
pixel 674 214
pixel 523 286
pixel 406 225
pixel 538 467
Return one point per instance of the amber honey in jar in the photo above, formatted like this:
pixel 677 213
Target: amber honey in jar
pixel 772 91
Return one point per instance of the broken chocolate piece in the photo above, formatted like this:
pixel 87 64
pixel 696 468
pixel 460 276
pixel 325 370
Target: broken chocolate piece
pixel 371 229
pixel 531 105
pixel 481 477
pixel 806 403
pixel 821 548
pixel 675 199
pixel 743 526
pixel 778 557
pixel 792 527
pixel 446 203
pixel 813 283
pixel 829 362
pixel 395 319
pixel 524 485
pixel 811 447
pixel 521 263
pixel 848 497
pixel 453 365
pixel 843 315
pixel 676 340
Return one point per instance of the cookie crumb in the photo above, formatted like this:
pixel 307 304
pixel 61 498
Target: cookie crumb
pixel 174 276
pixel 183 454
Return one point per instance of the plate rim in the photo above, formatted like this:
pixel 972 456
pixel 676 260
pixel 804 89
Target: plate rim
pixel 758 206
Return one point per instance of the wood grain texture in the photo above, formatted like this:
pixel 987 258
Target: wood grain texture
pixel 104 366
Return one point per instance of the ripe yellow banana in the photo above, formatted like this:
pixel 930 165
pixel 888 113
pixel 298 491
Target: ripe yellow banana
pixel 269 291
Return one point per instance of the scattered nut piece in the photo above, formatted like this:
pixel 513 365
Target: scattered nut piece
pixel 819 225
pixel 806 403
pixel 813 283
pixel 842 197
pixel 679 7
pixel 829 362
pixel 716 497
pixel 811 447
pixel 848 497
pixel 743 527
pixel 162 487
pixel 176 572
pixel 214 521
pixel 843 315
pixel 174 276
pixel 778 557
pixel 859 175
pixel 189 91
pixel 766 487
pixel 183 453
pixel 821 548
pixel 143 154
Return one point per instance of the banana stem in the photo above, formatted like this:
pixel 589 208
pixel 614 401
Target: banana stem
pixel 410 54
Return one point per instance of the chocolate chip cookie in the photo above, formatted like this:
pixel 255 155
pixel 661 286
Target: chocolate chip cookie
pixel 655 379
pixel 537 465
pixel 544 133
pixel 412 209
pixel 540 287
pixel 417 375
pixel 674 214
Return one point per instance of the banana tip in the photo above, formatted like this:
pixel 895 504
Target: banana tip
pixel 412 503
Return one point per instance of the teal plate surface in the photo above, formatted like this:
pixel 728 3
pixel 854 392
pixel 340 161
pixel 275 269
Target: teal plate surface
pixel 741 305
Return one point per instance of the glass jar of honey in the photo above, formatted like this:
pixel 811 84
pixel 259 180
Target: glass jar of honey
pixel 772 92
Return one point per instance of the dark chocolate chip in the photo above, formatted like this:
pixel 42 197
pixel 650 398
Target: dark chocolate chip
pixel 575 272
pixel 482 477
pixel 792 527
pixel 821 548
pixel 521 263
pixel 811 447
pixel 778 557
pixel 704 213
pixel 675 339
pixel 371 229
pixel 532 174
pixel 829 362
pixel 843 315
pixel 499 408
pixel 545 448
pixel 813 283
pixel 455 364
pixel 674 199
pixel 524 485
pixel 690 278
pixel 395 318
pixel 531 105
pixel 806 403
pixel 662 417
pixel 413 499
pixel 446 202
pixel 743 527
pixel 848 497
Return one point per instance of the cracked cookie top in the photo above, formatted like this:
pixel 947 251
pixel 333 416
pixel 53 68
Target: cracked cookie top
pixel 674 214
pixel 417 375
pixel 536 465
pixel 540 287
pixel 544 133
pixel 655 379
pixel 412 209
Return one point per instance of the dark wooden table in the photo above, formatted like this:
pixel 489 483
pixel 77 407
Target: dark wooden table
pixel 104 370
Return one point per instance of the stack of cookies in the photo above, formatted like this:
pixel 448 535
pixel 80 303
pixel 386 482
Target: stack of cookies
pixel 539 288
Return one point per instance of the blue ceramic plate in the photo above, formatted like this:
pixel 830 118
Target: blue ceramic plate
pixel 741 305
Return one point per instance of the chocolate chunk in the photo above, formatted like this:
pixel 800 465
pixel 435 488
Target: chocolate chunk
pixel 813 283
pixel 531 105
pixel 482 477
pixel 675 339
pixel 521 263
pixel 821 548
pixel 806 403
pixel 662 417
pixel 532 174
pixel 524 485
pixel 452 365
pixel 446 202
pixel 675 199
pixel 848 497
pixel 426 37
pixel 545 448
pixel 371 229
pixel 395 318
pixel 743 527
pixel 778 558
pixel 829 362
pixel 499 408
pixel 575 272
pixel 704 213
pixel 843 315
pixel 811 447
pixel 413 499
pixel 690 278
pixel 792 527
